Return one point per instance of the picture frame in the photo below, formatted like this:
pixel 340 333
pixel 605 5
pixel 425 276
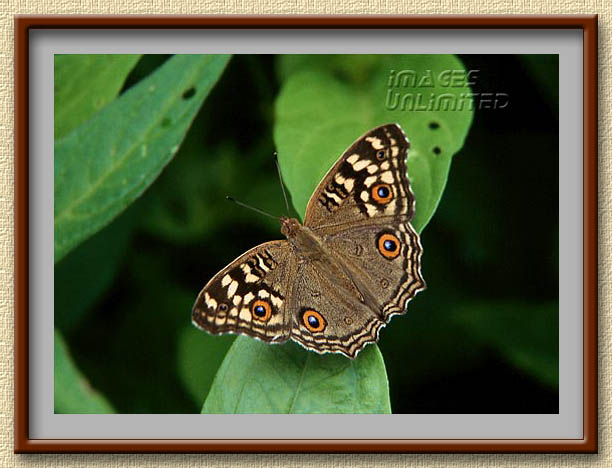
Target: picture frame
pixel 26 412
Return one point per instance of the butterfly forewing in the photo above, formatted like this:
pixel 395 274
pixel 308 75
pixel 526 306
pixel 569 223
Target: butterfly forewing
pixel 369 181
pixel 249 295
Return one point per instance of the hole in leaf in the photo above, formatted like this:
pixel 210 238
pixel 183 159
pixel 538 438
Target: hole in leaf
pixel 437 150
pixel 434 125
pixel 189 93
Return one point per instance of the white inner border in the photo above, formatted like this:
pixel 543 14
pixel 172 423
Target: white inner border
pixel 44 424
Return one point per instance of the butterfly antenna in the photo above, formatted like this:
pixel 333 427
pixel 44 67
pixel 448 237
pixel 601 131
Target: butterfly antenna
pixel 244 205
pixel 280 178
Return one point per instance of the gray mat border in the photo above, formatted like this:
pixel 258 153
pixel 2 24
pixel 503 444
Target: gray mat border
pixel 46 425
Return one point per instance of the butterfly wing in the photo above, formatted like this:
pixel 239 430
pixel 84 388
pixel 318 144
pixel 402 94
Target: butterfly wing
pixel 384 259
pixel 369 181
pixel 363 205
pixel 249 295
pixel 328 316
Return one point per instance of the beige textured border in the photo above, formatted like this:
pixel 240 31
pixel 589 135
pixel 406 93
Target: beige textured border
pixel 11 7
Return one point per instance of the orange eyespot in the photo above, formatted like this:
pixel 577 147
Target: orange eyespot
pixel 381 154
pixel 389 245
pixel 313 320
pixel 382 193
pixel 261 310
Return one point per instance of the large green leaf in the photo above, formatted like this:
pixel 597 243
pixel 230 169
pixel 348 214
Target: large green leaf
pixel 106 163
pixel 259 378
pixel 84 84
pixel 526 335
pixel 73 394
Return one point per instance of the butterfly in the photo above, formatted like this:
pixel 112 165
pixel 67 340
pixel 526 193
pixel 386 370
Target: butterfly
pixel 339 277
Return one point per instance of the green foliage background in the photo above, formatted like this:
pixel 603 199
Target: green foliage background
pixel 146 149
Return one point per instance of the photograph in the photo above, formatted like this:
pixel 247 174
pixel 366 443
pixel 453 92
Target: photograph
pixel 290 234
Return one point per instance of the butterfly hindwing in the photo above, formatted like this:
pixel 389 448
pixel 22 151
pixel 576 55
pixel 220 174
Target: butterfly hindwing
pixel 369 181
pixel 385 258
pixel 328 316
pixel 249 295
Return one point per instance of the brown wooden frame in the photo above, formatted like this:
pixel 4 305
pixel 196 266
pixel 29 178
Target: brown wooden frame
pixel 587 23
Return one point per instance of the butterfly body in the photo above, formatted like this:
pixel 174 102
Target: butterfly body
pixel 308 247
pixel 304 241
pixel 338 278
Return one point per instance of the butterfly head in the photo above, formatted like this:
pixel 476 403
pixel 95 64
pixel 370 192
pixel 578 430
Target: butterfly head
pixel 289 226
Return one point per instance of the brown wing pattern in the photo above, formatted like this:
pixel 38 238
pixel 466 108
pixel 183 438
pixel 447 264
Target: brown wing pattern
pixel 368 181
pixel 248 296
pixel 343 323
pixel 393 276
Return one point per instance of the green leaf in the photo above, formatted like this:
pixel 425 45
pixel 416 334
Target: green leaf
pixel 320 111
pixel 106 163
pixel 259 378
pixel 73 394
pixel 354 68
pixel 83 275
pixel 526 335
pixel 199 357
pixel 84 84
